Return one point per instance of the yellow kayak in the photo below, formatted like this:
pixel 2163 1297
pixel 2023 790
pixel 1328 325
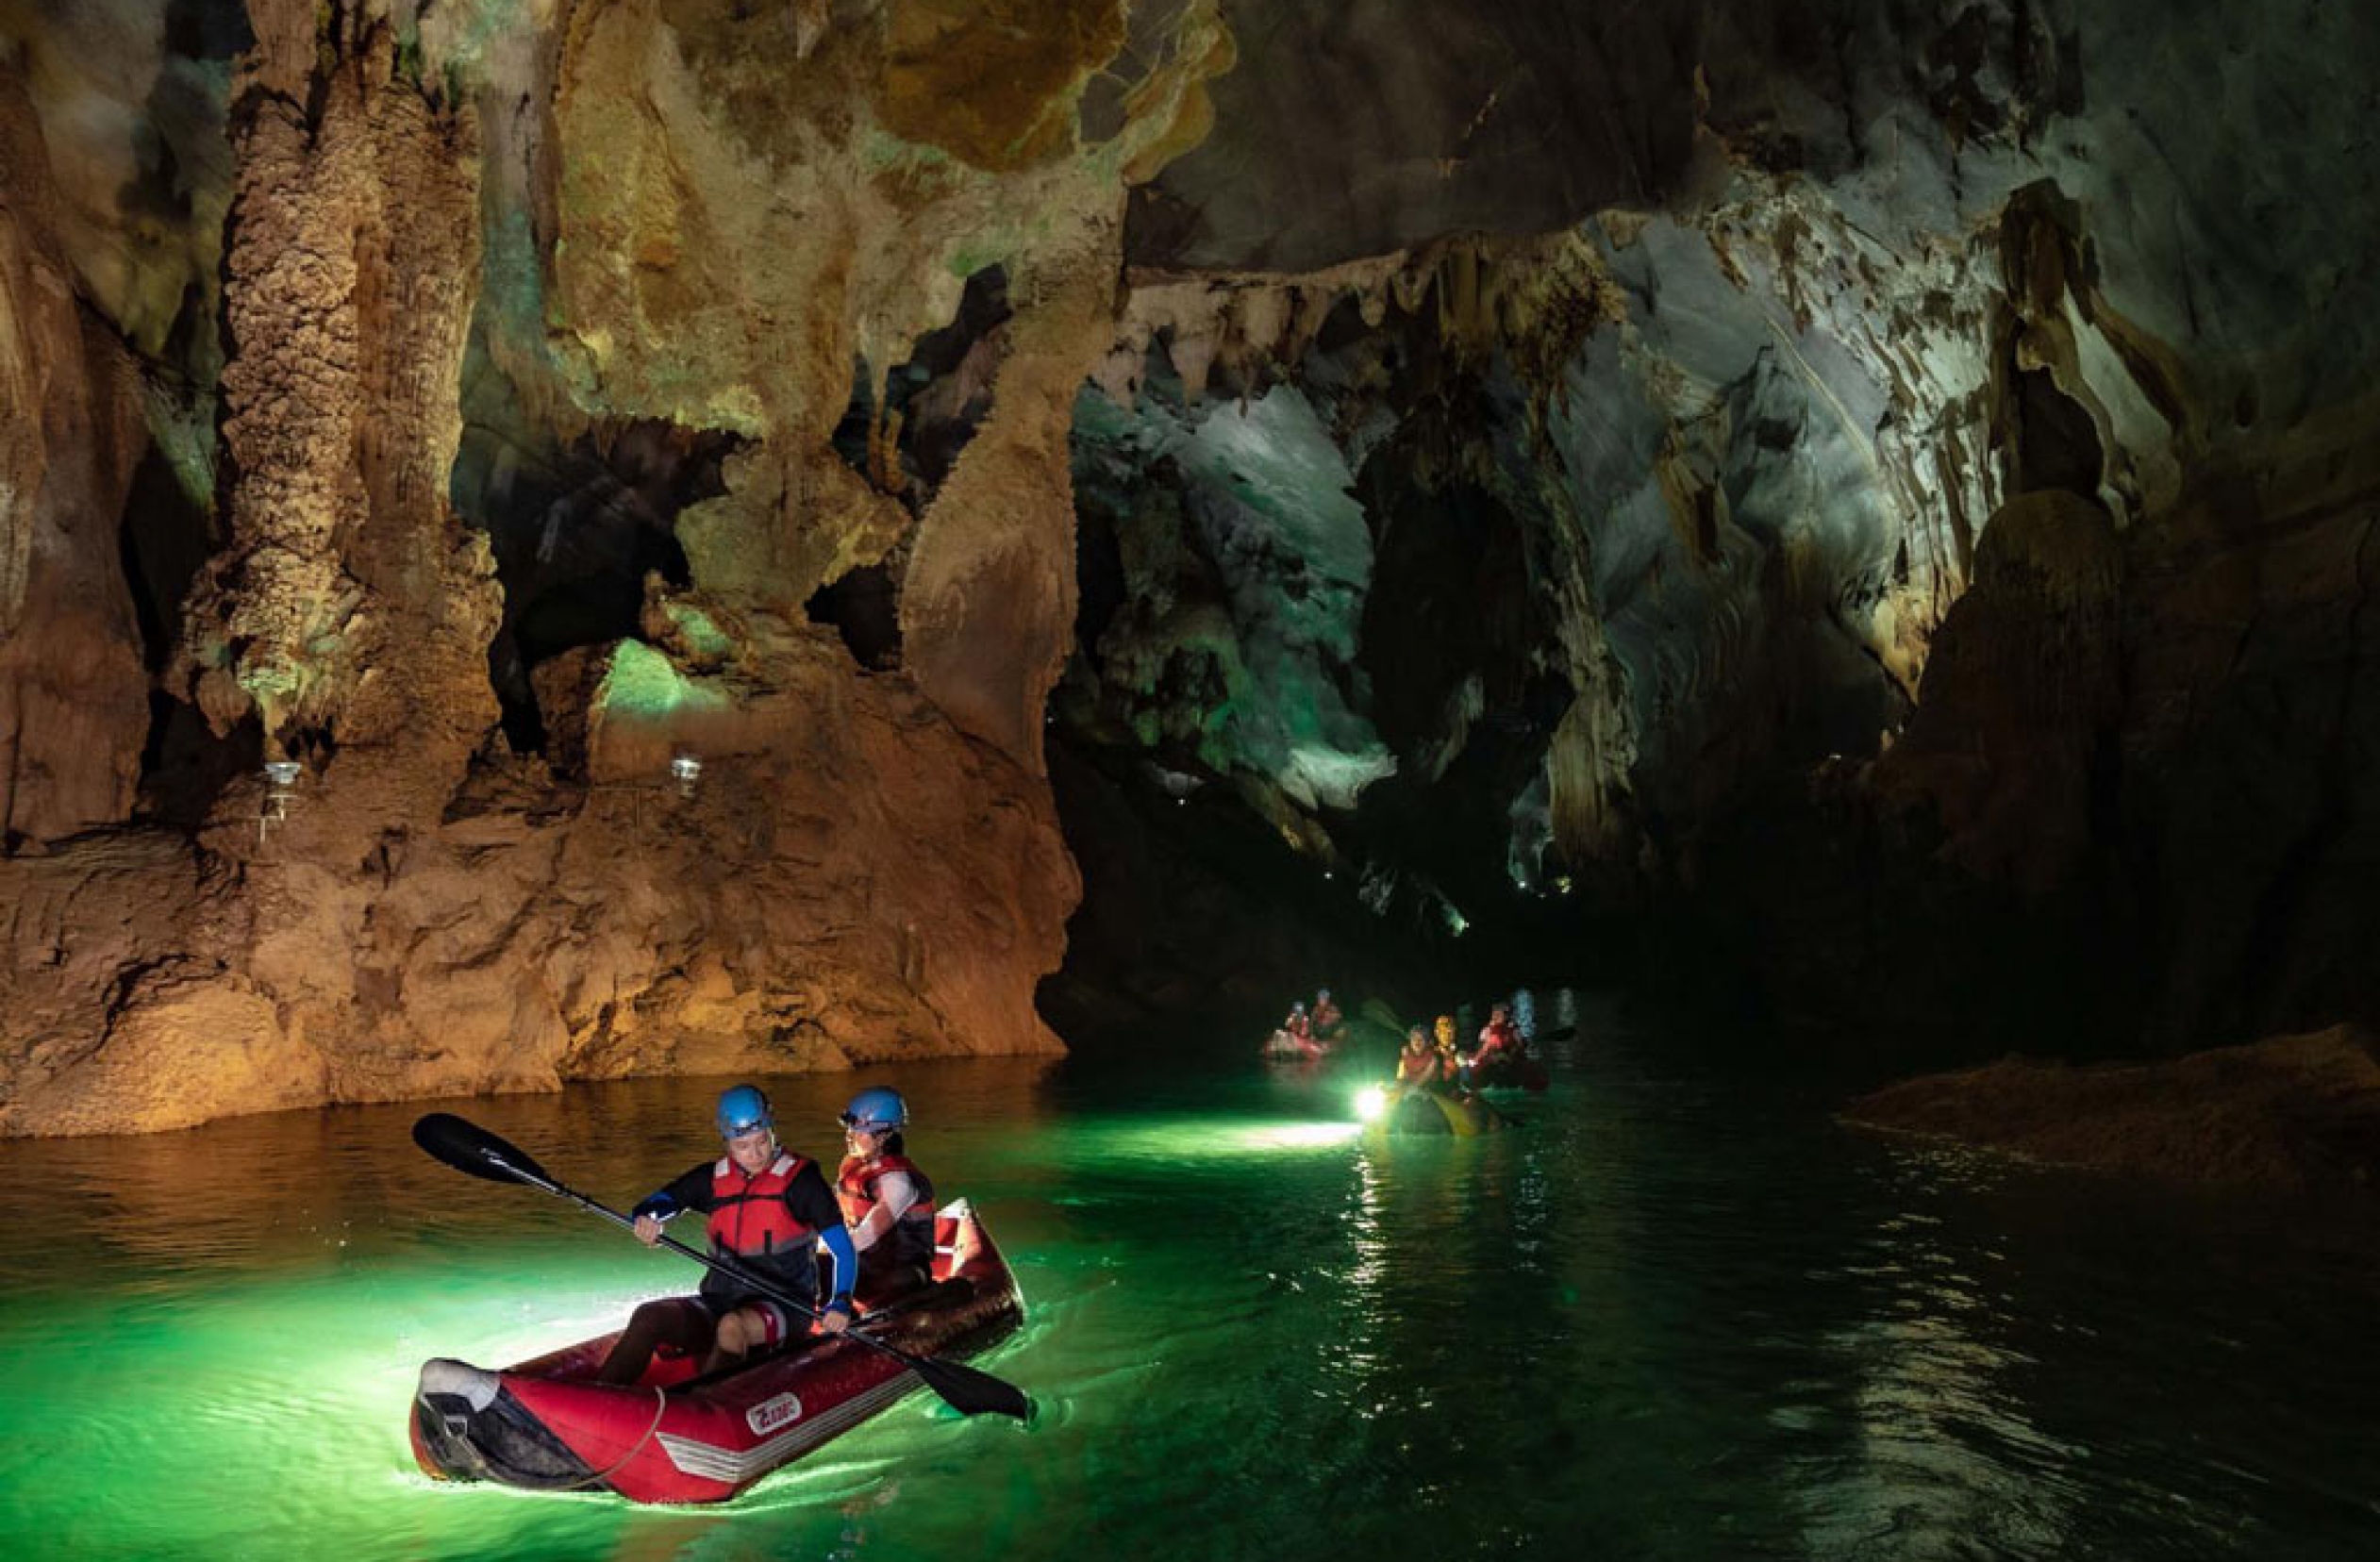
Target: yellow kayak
pixel 1434 1112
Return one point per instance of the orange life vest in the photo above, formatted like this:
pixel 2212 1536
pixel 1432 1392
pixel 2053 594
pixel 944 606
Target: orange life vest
pixel 911 1239
pixel 749 1215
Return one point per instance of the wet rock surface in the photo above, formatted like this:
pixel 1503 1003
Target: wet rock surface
pixel 2298 1113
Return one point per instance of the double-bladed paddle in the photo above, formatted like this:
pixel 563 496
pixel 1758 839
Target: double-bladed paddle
pixel 470 1149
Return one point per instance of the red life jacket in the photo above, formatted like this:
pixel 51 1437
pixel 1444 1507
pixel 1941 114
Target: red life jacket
pixel 1498 1038
pixel 856 1188
pixel 911 1239
pixel 1416 1070
pixel 748 1215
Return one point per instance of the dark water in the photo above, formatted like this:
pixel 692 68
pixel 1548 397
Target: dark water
pixel 1674 1316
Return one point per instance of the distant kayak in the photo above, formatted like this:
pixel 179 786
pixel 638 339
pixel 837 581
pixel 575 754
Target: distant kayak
pixel 1282 1045
pixel 546 1425
pixel 1421 1113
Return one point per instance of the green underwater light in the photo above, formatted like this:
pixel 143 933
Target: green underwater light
pixel 1217 1141
pixel 1298 1136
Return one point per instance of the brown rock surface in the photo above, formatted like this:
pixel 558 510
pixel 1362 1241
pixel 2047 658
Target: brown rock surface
pixel 1744 423
pixel 857 874
pixel 94 930
pixel 350 609
pixel 2296 1112
pixel 989 612
pixel 850 879
pixel 73 705
pixel 869 224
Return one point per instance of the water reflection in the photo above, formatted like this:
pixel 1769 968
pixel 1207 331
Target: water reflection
pixel 1943 1455
pixel 293 1190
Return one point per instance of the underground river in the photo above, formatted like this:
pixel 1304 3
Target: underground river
pixel 1678 1313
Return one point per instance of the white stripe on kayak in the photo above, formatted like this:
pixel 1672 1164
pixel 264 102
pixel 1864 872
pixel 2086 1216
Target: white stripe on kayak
pixel 714 1463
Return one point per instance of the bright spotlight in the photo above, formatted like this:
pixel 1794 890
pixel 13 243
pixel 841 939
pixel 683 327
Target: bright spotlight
pixel 1370 1103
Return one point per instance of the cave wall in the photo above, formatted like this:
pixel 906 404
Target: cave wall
pixel 723 843
pixel 74 707
pixel 1722 442
pixel 1866 483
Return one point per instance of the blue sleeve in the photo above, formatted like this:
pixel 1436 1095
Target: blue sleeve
pixel 813 1203
pixel 846 1270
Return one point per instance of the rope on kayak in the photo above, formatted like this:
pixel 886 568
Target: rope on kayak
pixel 660 1405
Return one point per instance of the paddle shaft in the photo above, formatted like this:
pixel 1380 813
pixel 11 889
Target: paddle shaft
pixel 710 1260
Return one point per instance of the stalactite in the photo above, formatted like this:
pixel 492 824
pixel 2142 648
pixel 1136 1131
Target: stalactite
pixel 349 605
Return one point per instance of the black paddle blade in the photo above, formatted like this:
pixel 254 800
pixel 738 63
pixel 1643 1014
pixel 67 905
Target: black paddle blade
pixel 470 1149
pixel 971 1392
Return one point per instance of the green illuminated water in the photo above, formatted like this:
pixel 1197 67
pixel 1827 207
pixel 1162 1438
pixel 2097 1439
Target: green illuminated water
pixel 1674 1316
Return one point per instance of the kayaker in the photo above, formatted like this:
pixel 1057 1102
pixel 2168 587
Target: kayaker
pixel 771 1210
pixel 1298 1024
pixel 1449 1056
pixel 887 1202
pixel 1500 1042
pixel 1419 1067
pixel 1328 1022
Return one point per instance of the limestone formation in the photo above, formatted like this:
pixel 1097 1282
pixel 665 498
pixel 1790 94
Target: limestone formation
pixel 73 692
pixel 2021 693
pixel 739 849
pixel 350 612
pixel 1880 496
pixel 1707 480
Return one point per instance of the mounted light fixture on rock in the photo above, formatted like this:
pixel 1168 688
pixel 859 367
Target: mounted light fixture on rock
pixel 687 771
pixel 280 786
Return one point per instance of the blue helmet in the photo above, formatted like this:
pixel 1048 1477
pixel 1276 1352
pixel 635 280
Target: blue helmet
pixel 877 1110
pixel 741 1110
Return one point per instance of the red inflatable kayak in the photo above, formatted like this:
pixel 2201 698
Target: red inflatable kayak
pixel 548 1425
pixel 1296 1049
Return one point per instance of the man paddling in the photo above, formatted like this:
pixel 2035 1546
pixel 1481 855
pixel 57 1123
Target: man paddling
pixel 770 1210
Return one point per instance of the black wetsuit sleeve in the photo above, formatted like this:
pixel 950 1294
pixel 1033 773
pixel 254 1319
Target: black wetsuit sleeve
pixel 690 1191
pixel 812 1201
